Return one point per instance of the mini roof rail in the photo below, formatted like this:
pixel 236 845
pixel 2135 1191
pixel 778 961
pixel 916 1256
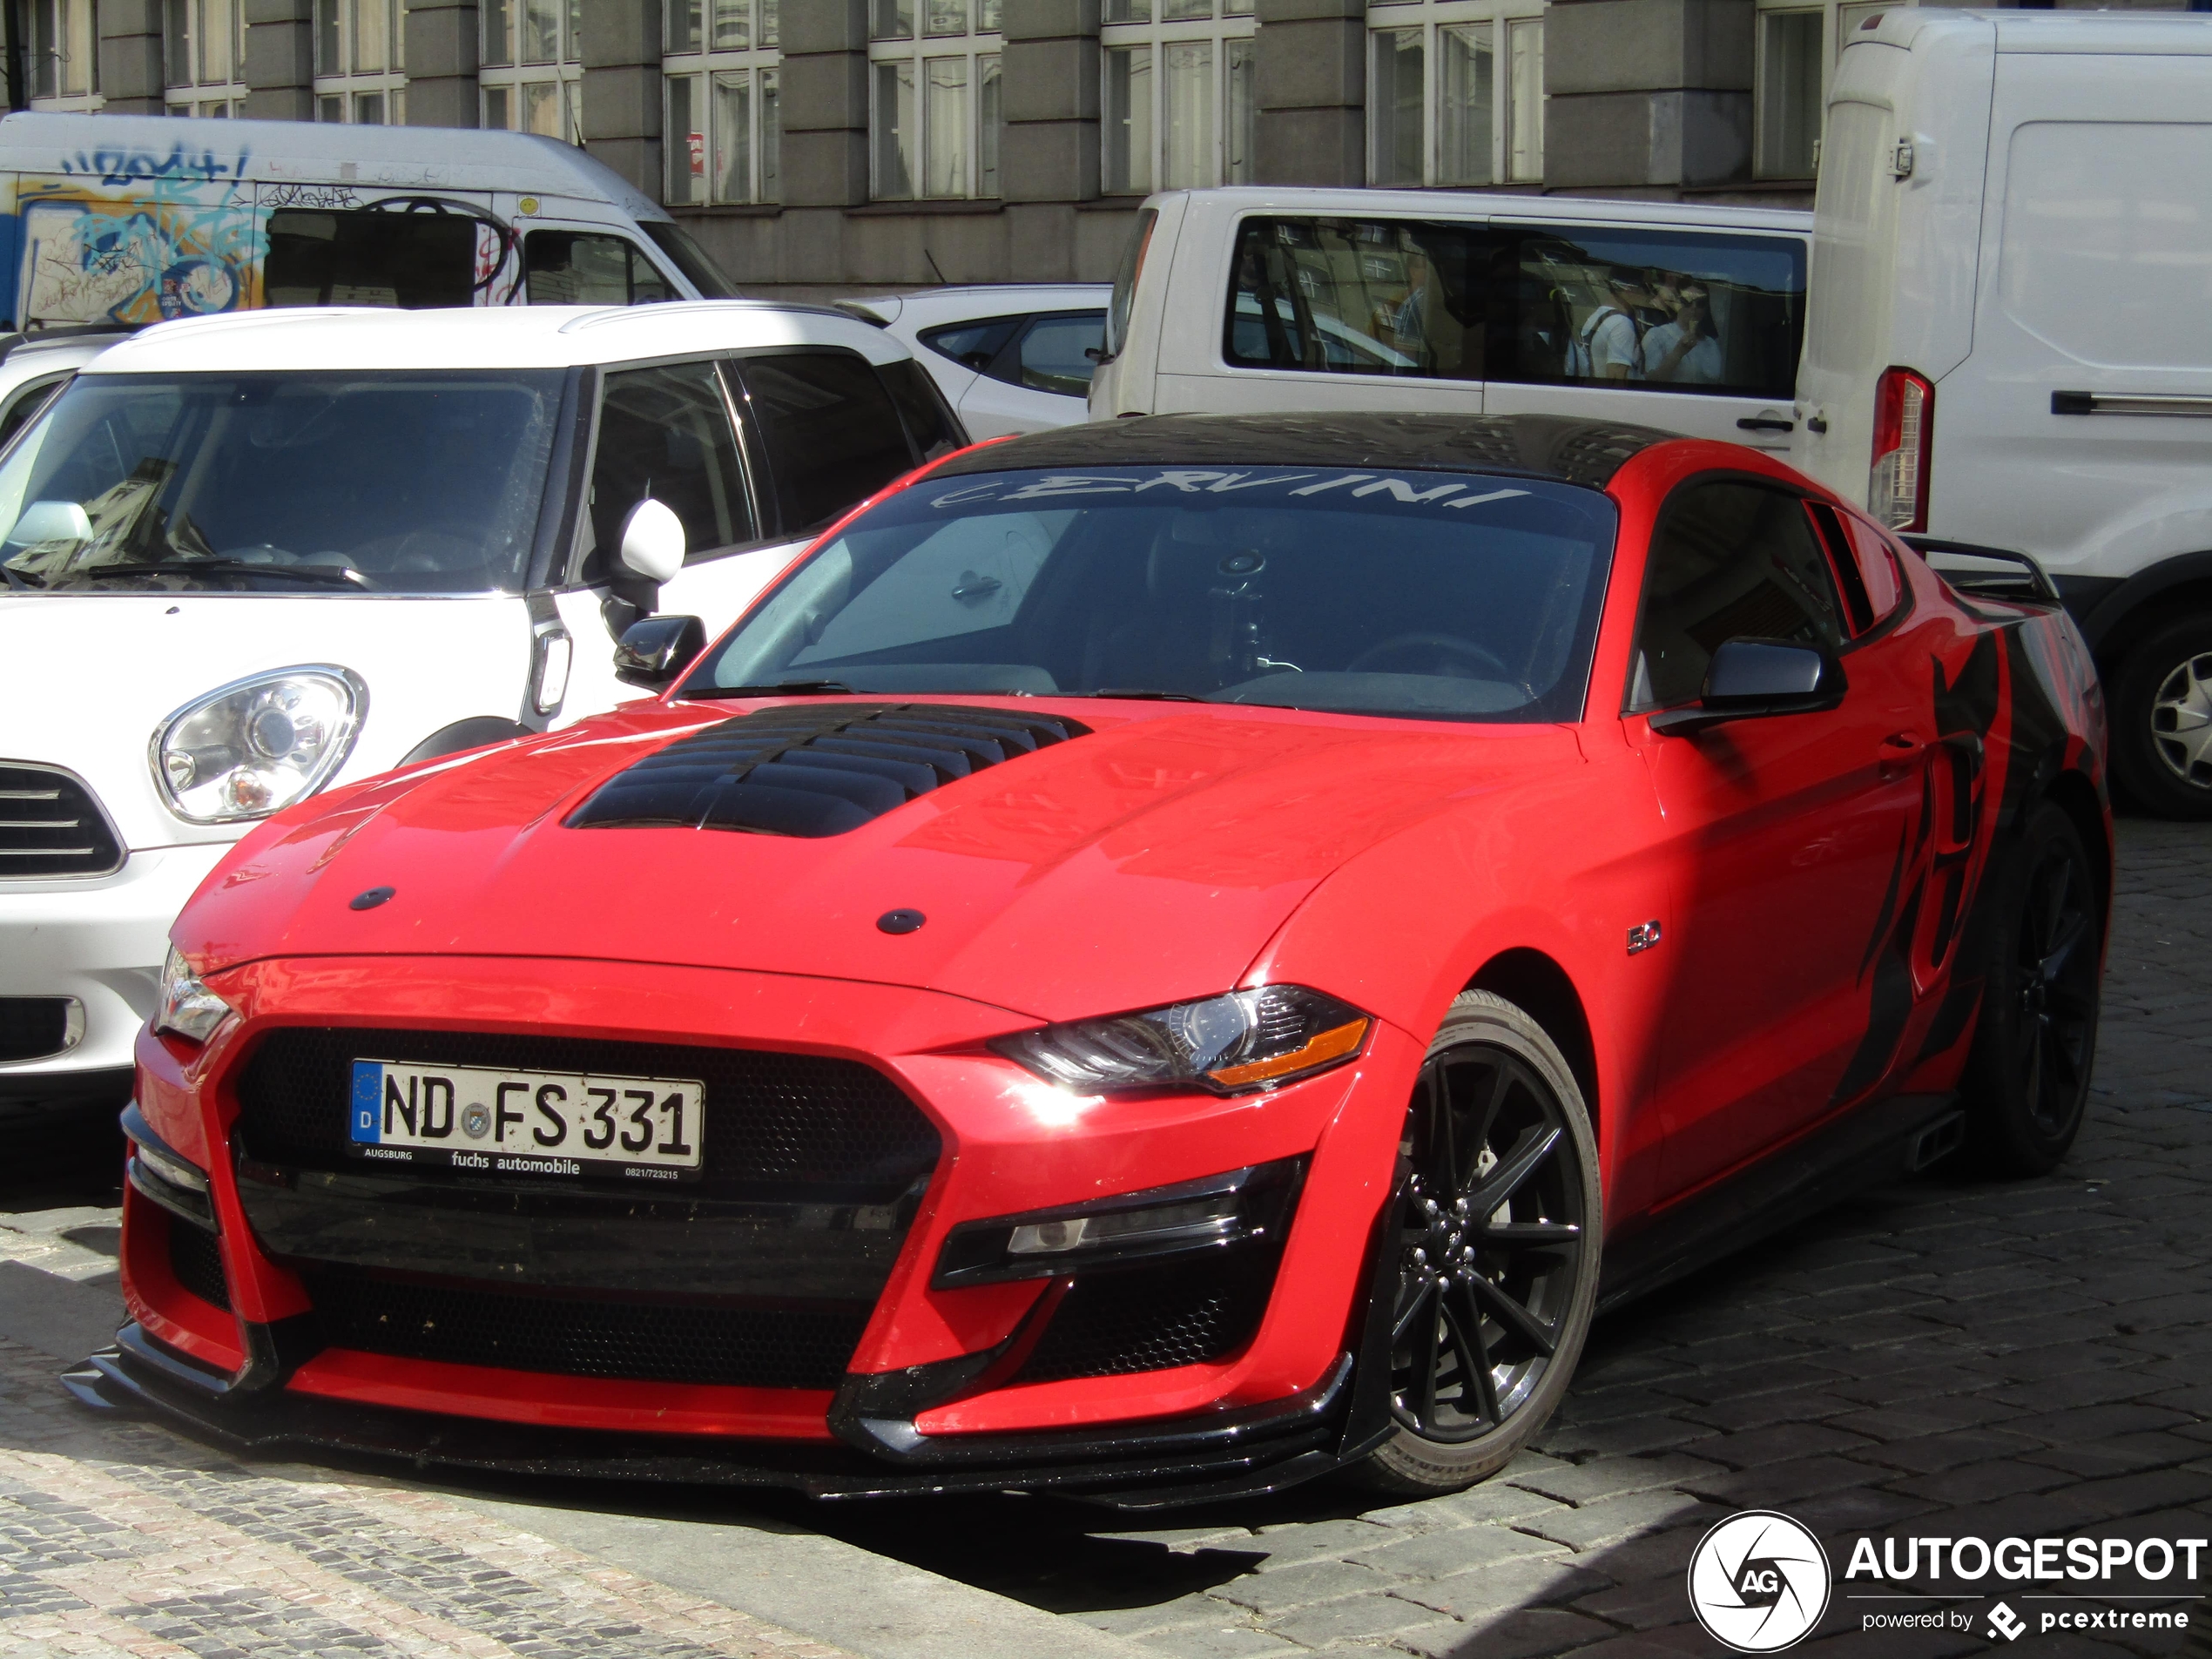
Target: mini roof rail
pixel 61 334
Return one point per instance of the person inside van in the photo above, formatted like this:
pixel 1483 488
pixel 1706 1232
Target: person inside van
pixel 1685 349
pixel 1608 345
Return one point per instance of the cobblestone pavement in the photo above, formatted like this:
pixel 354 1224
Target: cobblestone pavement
pixel 1936 1358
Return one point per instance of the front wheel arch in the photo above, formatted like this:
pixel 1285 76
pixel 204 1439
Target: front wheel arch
pixel 1535 983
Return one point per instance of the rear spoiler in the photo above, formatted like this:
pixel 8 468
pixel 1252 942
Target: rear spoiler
pixel 15 341
pixel 854 308
pixel 1956 561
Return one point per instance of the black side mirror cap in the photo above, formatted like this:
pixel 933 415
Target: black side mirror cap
pixel 654 651
pixel 1755 678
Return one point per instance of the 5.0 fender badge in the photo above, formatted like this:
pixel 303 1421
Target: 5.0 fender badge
pixel 1642 937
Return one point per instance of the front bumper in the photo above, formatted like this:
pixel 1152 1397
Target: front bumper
pixel 101 941
pixel 282 1337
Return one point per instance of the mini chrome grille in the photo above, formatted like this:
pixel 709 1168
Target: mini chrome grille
pixel 50 826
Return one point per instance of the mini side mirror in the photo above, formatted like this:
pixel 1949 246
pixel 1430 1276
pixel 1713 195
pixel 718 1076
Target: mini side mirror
pixel 654 651
pixel 1754 678
pixel 653 541
pixel 51 521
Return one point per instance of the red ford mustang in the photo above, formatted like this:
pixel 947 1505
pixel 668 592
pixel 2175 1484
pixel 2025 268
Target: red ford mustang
pixel 1160 960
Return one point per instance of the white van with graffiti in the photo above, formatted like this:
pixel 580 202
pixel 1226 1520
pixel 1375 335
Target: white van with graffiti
pixel 135 219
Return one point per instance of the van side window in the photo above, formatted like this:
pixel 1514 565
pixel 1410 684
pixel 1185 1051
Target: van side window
pixel 413 261
pixel 586 268
pixel 665 432
pixel 832 431
pixel 1655 309
pixel 1730 561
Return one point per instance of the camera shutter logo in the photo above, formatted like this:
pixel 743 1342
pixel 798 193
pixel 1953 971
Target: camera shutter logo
pixel 1759 1581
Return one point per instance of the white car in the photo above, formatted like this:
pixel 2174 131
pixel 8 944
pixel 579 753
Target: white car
pixel 34 366
pixel 1010 360
pixel 252 555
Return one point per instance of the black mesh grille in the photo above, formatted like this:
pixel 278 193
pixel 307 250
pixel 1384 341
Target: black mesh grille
pixel 1151 1318
pixel 777 1125
pixel 818 770
pixel 633 1339
pixel 32 1026
pixel 49 825
pixel 196 1261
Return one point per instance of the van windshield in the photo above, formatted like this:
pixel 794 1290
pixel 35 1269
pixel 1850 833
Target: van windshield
pixel 372 482
pixel 1434 595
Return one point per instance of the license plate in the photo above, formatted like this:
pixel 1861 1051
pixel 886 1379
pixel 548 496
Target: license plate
pixel 527 1123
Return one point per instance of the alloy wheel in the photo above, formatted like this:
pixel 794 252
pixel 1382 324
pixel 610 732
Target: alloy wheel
pixel 2180 721
pixel 1492 1243
pixel 2057 968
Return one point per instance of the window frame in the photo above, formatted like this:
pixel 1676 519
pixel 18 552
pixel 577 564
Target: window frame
pixel 1838 19
pixel 973 48
pixel 1430 18
pixel 51 23
pixel 700 65
pixel 340 88
pixel 502 79
pixel 1223 29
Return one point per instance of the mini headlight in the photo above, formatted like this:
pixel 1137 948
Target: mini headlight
pixel 1224 1044
pixel 256 745
pixel 186 1008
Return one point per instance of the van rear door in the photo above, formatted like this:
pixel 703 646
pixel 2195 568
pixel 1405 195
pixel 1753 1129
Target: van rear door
pixel 2090 383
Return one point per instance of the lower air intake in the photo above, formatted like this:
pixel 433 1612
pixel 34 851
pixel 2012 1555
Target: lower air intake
pixel 1153 1318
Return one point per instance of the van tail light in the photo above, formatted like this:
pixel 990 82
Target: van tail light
pixel 1896 488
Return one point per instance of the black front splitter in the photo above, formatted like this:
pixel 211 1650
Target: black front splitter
pixel 1156 1465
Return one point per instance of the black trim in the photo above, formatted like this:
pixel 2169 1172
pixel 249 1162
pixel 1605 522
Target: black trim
pixel 109 1083
pixel 477 731
pixel 195 1206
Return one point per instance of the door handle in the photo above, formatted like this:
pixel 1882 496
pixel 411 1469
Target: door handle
pixel 1898 752
pixel 1766 423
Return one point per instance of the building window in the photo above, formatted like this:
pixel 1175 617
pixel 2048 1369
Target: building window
pixel 1797 47
pixel 723 76
pixel 1178 110
pixel 65 55
pixel 204 47
pixel 1455 92
pixel 530 76
pixel 360 69
pixel 933 97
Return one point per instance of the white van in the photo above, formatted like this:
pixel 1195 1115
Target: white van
pixel 2010 340
pixel 131 220
pixel 251 556
pixel 1683 317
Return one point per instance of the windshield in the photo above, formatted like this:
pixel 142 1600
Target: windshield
pixel 1444 595
pixel 374 482
pixel 688 258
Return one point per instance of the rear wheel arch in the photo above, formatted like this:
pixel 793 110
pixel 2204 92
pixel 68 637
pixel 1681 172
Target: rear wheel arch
pixel 1539 986
pixel 2076 797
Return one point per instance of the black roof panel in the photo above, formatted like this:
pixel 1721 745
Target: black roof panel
pixel 1579 452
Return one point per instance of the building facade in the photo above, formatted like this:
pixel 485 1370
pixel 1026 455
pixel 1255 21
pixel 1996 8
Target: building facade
pixel 877 143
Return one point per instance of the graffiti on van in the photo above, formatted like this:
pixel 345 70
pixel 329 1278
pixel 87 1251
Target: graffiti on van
pixel 330 198
pixel 121 166
pixel 172 246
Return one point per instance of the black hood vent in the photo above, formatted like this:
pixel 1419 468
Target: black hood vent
pixel 813 770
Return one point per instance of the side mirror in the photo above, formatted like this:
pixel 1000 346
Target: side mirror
pixel 51 521
pixel 653 652
pixel 1753 679
pixel 653 541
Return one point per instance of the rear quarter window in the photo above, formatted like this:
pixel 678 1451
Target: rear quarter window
pixel 831 432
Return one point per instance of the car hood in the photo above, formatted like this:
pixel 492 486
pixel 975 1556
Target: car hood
pixel 1146 860
pixel 87 679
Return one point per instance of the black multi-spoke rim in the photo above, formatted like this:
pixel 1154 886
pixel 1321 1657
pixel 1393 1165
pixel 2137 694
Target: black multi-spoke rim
pixel 1491 1243
pixel 2057 965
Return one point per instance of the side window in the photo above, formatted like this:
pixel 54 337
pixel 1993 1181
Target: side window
pixel 973 345
pixel 930 421
pixel 665 433
pixel 831 432
pixel 1877 566
pixel 414 260
pixel 27 401
pixel 1660 310
pixel 1730 560
pixel 1051 355
pixel 1358 297
pixel 587 268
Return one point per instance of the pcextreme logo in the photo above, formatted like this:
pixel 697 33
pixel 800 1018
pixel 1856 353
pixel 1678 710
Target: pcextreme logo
pixel 1759 1581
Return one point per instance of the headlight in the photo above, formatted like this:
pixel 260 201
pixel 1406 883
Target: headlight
pixel 187 1008
pixel 256 745
pixel 1225 1044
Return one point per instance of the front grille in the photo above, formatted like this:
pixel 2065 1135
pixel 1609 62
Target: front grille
pixel 778 1125
pixel 813 770
pixel 1151 1319
pixel 33 1026
pixel 633 1339
pixel 50 826
pixel 196 1263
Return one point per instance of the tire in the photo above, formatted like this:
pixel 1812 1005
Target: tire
pixel 2027 1080
pixel 2162 719
pixel 1525 1308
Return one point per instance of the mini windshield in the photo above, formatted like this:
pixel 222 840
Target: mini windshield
pixel 372 482
pixel 1443 595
